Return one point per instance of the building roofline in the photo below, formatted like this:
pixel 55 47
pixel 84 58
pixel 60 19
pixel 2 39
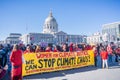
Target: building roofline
pixel 111 23
pixel 11 37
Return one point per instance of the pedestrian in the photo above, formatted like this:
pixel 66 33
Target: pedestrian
pixel 55 49
pixel 109 50
pixel 3 55
pixel 48 49
pixel 119 59
pixel 3 73
pixel 118 55
pixel 16 60
pixel 95 55
pixel 28 50
pixel 65 48
pixel 38 49
pixel 104 56
pixel 9 62
pixel 3 66
pixel 77 49
pixel 71 49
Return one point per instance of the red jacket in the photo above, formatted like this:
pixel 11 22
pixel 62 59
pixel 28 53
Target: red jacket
pixel 109 50
pixel 16 57
pixel 55 50
pixel 71 47
pixel 104 55
pixel 16 60
pixel 47 50
pixel 118 51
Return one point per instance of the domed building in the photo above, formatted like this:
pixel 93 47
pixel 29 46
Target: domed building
pixel 50 34
pixel 50 25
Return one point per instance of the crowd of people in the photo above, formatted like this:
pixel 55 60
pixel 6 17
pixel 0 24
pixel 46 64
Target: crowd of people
pixel 11 55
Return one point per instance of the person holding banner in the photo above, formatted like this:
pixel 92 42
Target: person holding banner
pixel 71 49
pixel 38 49
pixel 16 60
pixel 55 49
pixel 64 48
pixel 48 49
pixel 28 50
pixel 77 49
pixel 95 55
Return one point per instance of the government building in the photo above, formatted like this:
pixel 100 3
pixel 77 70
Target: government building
pixel 110 33
pixel 51 34
pixel 97 38
pixel 112 30
pixel 13 38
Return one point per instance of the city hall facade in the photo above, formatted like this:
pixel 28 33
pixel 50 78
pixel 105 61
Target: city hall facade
pixel 51 34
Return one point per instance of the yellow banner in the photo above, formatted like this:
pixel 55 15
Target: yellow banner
pixel 55 61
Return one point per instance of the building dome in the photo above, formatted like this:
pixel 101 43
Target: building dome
pixel 50 24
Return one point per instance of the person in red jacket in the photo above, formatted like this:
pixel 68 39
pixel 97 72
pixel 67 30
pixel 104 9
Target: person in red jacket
pixel 71 47
pixel 16 60
pixel 28 50
pixel 104 56
pixel 55 49
pixel 110 53
pixel 48 49
pixel 38 49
